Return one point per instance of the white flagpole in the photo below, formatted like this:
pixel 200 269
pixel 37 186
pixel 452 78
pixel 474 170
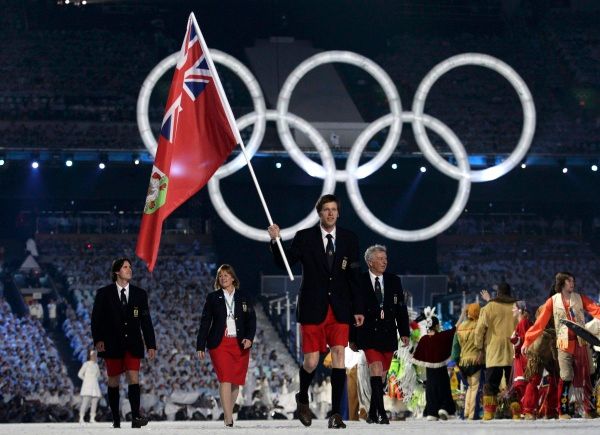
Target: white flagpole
pixel 238 137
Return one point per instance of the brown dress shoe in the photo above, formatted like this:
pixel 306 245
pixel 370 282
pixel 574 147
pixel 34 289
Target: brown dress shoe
pixel 336 422
pixel 304 412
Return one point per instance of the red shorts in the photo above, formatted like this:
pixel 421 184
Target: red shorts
pixel 385 358
pixel 315 338
pixel 116 366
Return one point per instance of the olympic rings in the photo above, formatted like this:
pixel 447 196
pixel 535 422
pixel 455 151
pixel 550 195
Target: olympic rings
pixel 353 172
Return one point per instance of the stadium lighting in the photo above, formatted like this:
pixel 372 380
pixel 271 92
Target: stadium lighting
pixel 594 168
pixel 136 162
pixel 523 165
pixel 423 169
pixel 101 165
pixel 565 170
pixel 394 166
pixel 278 165
pixel 68 163
pixel 35 164
pixel 2 162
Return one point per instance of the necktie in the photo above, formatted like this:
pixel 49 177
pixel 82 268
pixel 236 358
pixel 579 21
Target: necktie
pixel 329 250
pixel 378 292
pixel 123 298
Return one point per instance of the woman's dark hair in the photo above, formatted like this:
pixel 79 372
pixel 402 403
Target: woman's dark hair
pixel 116 266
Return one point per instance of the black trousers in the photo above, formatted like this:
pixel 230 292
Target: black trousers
pixel 493 377
pixel 437 392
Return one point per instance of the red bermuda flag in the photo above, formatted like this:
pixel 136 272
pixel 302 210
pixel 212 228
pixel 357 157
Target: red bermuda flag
pixel 198 132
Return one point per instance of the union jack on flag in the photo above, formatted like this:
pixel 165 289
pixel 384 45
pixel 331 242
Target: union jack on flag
pixel 196 76
pixel 197 135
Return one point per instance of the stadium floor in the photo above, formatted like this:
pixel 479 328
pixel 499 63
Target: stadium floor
pixel 575 426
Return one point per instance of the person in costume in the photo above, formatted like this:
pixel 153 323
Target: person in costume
pixel 466 355
pixel 433 353
pixel 573 357
pixel 405 379
pixel 541 372
pixel 495 326
pixel 520 361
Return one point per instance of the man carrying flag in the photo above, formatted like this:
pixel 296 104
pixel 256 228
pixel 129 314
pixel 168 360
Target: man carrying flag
pixel 197 134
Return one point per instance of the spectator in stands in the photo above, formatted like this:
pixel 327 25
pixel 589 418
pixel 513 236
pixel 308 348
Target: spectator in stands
pixel 386 317
pixel 51 313
pixel 36 310
pixel 328 300
pixel 119 317
pixel 90 393
pixel 227 328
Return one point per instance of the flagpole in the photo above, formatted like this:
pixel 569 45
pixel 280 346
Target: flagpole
pixel 238 137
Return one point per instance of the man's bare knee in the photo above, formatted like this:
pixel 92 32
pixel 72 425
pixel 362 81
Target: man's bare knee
pixel 132 377
pixel 113 381
pixel 311 361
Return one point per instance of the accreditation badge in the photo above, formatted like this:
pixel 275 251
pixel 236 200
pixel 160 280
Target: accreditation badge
pixel 244 307
pixel 344 263
pixel 136 312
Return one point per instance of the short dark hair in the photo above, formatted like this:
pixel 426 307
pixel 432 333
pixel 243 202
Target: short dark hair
pixel 504 289
pixel 116 266
pixel 324 200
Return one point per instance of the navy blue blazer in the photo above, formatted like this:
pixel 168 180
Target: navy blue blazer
pixel 214 319
pixel 377 333
pixel 320 286
pixel 120 331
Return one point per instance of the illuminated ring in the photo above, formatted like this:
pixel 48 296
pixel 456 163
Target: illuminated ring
pixel 242 72
pixel 329 183
pixel 457 207
pixel 353 172
pixel 525 97
pixel 368 66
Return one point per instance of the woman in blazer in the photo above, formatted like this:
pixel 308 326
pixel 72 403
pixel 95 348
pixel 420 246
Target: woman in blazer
pixel 227 329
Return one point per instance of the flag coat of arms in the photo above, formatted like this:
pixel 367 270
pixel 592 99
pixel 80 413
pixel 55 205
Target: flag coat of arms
pixel 197 134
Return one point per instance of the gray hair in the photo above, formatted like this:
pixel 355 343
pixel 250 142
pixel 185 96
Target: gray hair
pixel 372 250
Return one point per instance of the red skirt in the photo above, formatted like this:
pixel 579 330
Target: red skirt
pixel 230 361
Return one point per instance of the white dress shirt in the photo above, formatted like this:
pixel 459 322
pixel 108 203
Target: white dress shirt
pixel 372 276
pixel 126 291
pixel 324 237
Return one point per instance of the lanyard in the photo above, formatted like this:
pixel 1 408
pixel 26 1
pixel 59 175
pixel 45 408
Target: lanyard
pixel 230 307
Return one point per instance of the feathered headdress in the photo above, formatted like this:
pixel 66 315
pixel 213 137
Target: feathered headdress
pixel 428 315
